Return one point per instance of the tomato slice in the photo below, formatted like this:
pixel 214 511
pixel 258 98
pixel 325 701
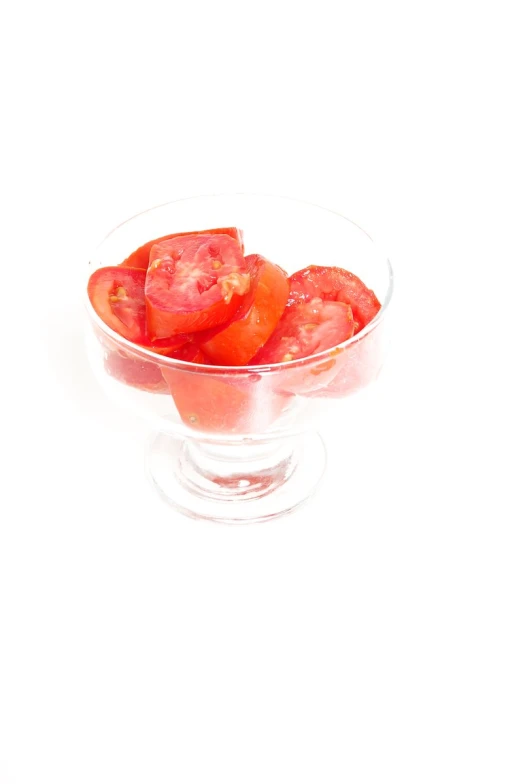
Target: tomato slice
pixel 256 318
pixel 306 329
pixel 194 283
pixel 118 297
pixel 140 258
pixel 338 285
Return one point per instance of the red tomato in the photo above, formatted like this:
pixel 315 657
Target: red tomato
pixel 335 284
pixel 135 372
pixel 190 352
pixel 140 258
pixel 118 297
pixel 306 329
pixel 216 404
pixel 206 402
pixel 256 318
pixel 144 374
pixel 167 347
pixel 358 366
pixel 194 283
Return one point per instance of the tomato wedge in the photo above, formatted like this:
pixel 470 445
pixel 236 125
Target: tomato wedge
pixel 135 372
pixel 144 374
pixel 140 258
pixel 207 403
pixel 219 404
pixel 306 329
pixel 338 285
pixel 256 318
pixel 359 364
pixel 194 283
pixel 118 297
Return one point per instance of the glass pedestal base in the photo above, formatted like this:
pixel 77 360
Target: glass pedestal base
pixel 243 483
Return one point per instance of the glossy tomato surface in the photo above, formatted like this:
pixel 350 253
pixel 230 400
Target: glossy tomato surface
pixel 306 329
pixel 220 404
pixel 358 366
pixel 135 372
pixel 140 258
pixel 118 297
pixel 256 318
pixel 335 285
pixel 194 283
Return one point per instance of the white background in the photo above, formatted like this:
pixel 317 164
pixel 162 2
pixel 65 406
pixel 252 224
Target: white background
pixel 374 635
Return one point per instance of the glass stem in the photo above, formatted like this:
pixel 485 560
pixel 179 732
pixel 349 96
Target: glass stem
pixel 240 471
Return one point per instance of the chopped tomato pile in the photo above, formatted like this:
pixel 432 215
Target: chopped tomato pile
pixel 198 298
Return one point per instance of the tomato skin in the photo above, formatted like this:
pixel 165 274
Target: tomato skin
pixel 204 402
pixel 140 258
pixel 224 404
pixel 126 313
pixel 336 285
pixel 147 375
pixel 255 320
pixel 117 296
pixel 194 283
pixel 169 346
pixel 305 329
pixel 358 366
pixel 134 372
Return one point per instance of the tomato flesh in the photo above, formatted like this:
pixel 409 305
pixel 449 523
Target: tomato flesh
pixel 118 297
pixel 140 258
pixel 194 283
pixel 256 319
pixel 305 329
pixel 195 297
pixel 335 285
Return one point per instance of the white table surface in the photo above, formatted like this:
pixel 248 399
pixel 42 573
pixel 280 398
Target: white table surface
pixel 373 636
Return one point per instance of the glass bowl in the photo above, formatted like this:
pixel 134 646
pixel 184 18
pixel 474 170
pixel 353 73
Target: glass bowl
pixel 238 444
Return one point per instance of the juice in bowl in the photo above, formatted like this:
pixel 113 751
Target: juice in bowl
pixel 227 322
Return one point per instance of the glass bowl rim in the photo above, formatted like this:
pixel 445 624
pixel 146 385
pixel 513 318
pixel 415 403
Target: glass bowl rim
pixel 165 361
